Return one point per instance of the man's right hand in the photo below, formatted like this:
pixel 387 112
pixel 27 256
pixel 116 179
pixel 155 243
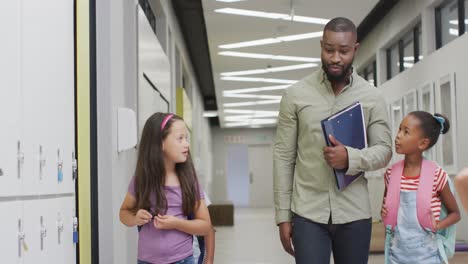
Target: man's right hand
pixel 285 230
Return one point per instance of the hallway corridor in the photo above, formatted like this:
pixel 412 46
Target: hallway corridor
pixel 254 239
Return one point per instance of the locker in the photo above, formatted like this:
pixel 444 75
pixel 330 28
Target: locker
pixel 9 98
pixel 66 250
pixel 48 72
pixel 10 213
pixel 39 230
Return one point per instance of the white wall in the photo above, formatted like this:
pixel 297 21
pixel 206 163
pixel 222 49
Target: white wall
pixel 201 145
pixel 451 58
pixel 221 139
pixel 117 80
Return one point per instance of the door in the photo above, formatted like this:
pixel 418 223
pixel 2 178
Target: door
pixel 260 175
pixel 237 171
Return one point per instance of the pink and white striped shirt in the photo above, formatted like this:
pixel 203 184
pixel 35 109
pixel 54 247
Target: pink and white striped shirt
pixel 409 184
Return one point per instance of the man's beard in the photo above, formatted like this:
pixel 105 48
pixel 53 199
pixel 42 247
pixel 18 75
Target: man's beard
pixel 338 78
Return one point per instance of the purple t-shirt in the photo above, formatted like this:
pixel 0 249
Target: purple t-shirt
pixel 164 246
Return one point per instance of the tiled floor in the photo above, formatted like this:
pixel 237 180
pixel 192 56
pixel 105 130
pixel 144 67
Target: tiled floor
pixel 254 239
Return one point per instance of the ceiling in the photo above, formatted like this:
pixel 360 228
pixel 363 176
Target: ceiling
pixel 225 29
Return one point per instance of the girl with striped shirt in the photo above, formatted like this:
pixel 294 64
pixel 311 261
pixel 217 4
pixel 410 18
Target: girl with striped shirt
pixel 411 243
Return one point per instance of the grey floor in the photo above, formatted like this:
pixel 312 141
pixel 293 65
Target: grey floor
pixel 254 239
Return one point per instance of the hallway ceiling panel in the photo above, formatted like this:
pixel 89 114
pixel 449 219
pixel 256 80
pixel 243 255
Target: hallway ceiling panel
pixel 225 29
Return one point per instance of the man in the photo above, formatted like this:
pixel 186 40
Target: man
pixel 314 218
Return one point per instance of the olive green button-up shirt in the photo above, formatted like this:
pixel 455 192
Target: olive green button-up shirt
pixel 304 183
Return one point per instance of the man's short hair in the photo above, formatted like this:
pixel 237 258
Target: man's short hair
pixel 340 24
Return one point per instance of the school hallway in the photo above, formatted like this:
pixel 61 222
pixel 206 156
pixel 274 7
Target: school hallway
pixel 81 77
pixel 254 239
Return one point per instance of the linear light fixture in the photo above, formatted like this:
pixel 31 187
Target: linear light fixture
pixel 273 69
pixel 258 89
pixel 253 96
pixel 230 1
pixel 411 58
pixel 246 117
pixel 266 41
pixel 453 22
pixel 252 79
pixel 267 56
pixel 262 102
pixel 252 112
pixel 252 123
pixel 210 114
pixel 245 12
pixel 453 31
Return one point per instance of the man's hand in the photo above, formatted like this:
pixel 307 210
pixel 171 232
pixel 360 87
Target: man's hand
pixel 337 155
pixel 285 230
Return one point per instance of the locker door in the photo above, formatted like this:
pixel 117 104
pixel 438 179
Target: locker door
pixel 9 97
pixel 39 233
pixel 34 75
pixel 48 71
pixel 66 250
pixel 10 214
pixel 63 90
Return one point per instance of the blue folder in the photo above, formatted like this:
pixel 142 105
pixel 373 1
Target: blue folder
pixel 348 127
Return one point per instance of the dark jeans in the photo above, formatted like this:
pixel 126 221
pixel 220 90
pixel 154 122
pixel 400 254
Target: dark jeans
pixel 314 242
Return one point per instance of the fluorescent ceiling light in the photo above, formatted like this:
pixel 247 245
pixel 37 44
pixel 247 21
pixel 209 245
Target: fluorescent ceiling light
pixel 406 64
pixel 210 114
pixel 263 102
pixel 258 89
pixel 245 111
pixel 453 31
pixel 453 22
pixel 230 1
pixel 267 56
pixel 252 122
pixel 271 40
pixel 411 58
pixel 254 96
pixel 274 69
pixel 244 12
pixel 240 118
pixel 252 79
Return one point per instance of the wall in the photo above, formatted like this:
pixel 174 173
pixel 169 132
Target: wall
pixel 221 139
pixel 436 64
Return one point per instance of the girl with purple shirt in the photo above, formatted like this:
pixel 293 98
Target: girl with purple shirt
pixel 163 192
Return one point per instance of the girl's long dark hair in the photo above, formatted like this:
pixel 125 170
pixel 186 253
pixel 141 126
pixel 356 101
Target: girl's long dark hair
pixel 150 170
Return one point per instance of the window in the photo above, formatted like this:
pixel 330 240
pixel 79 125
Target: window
pixel 426 103
pixel 451 21
pixel 370 73
pixel 392 61
pixel 405 52
pixel 445 104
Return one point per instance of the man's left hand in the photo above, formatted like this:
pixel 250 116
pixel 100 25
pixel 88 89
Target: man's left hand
pixel 337 155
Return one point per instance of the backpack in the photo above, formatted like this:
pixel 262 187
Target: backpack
pixel 445 238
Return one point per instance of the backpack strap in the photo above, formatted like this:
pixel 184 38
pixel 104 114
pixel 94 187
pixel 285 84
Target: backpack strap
pixel 392 201
pixel 424 195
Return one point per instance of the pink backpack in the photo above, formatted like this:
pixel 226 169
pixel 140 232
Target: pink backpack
pixel 446 238
pixel 423 196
